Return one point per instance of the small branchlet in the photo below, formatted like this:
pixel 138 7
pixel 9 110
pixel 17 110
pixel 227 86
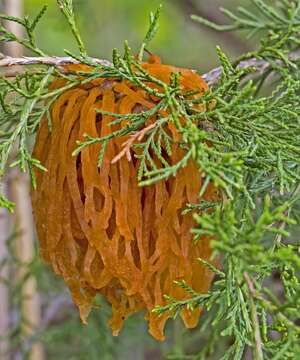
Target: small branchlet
pixel 66 7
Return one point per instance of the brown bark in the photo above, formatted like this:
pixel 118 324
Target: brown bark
pixel 19 188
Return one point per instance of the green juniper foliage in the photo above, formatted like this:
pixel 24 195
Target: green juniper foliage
pixel 247 143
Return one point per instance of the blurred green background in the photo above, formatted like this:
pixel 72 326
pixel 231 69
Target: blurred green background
pixel 104 25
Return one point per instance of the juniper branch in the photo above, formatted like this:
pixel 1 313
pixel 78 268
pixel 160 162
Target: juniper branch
pixel 211 77
pixel 8 61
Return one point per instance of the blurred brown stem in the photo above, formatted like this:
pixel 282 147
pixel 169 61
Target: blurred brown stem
pixel 13 8
pixel 31 308
pixel 258 353
pixel 4 273
pixel 19 189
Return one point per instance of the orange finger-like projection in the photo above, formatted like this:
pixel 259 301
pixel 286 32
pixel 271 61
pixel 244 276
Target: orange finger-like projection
pixel 97 228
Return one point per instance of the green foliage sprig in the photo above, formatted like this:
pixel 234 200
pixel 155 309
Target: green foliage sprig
pixel 29 27
pixel 66 7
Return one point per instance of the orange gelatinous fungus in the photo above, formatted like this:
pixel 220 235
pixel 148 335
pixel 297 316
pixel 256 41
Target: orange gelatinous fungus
pixel 98 229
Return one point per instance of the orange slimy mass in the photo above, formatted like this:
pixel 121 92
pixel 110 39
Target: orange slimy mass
pixel 98 229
